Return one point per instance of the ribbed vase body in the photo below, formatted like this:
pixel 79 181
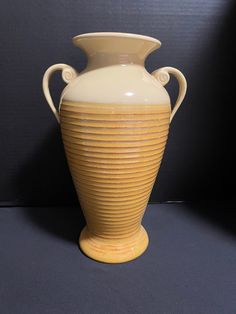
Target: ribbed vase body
pixel 114 153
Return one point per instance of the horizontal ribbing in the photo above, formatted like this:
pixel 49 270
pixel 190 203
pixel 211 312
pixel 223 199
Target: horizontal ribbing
pixel 114 153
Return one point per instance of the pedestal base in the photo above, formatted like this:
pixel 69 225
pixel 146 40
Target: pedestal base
pixel 113 250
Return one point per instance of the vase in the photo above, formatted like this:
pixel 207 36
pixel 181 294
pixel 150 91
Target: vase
pixel 114 118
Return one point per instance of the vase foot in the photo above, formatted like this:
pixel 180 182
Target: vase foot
pixel 113 250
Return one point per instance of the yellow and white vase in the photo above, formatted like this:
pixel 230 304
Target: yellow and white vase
pixel 114 119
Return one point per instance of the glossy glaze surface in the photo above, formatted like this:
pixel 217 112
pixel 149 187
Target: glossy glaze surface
pixel 114 119
pixel 114 153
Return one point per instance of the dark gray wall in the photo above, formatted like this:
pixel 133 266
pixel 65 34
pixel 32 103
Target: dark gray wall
pixel 198 38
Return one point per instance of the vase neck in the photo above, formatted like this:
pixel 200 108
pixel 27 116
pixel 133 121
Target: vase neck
pixel 105 49
pixel 100 60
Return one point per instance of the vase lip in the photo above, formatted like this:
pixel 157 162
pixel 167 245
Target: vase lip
pixel 75 39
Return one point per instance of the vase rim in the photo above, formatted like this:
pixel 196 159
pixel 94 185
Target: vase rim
pixel 117 34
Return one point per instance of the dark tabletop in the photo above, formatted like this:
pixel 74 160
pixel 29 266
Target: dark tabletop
pixel 189 267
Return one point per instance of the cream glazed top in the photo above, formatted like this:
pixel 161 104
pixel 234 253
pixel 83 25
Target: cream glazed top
pixel 115 73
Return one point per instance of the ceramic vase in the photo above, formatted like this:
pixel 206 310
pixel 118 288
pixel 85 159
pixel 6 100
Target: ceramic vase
pixel 114 118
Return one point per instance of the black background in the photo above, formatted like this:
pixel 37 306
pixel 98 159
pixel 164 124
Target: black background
pixel 198 37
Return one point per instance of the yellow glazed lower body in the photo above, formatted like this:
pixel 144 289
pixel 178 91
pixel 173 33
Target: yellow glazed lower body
pixel 114 154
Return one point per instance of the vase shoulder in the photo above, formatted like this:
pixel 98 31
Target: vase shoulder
pixel 117 84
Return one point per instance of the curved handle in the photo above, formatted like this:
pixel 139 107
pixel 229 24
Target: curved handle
pixel 68 74
pixel 162 75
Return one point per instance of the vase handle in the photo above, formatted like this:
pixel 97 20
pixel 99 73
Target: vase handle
pixel 68 74
pixel 162 75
